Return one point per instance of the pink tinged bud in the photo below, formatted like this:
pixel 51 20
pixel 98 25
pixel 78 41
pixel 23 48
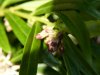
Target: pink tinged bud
pixel 38 36
pixel 42 35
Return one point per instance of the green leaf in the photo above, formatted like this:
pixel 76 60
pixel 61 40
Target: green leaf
pixel 31 5
pixel 76 56
pixel 93 27
pixel 4 43
pixel 17 56
pixel 93 12
pixel 71 67
pixel 8 2
pixel 96 55
pixel 90 9
pixel 47 57
pixel 50 60
pixel 77 28
pixel 45 8
pixel 1 1
pixel 54 5
pixel 31 52
pixel 69 60
pixel 20 28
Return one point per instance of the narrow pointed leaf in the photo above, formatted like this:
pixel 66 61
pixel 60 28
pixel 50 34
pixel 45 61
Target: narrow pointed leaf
pixel 31 5
pixel 4 43
pixel 71 66
pixel 70 61
pixel 51 61
pixel 31 52
pixel 20 28
pixel 35 52
pixel 77 27
pixel 27 48
pixel 8 2
pixel 74 54
pixel 90 9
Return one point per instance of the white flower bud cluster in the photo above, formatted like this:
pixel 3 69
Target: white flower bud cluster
pixel 46 32
pixel 51 39
pixel 6 67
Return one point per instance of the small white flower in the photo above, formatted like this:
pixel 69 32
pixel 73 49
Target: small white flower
pixel 47 31
pixel 52 38
pixel 6 66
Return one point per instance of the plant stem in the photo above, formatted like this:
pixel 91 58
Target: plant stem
pixel 29 16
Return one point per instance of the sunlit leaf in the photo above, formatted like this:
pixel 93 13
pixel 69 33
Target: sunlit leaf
pixel 20 28
pixel 8 2
pixel 31 5
pixel 4 43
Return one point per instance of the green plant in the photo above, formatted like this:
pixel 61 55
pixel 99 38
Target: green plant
pixel 58 33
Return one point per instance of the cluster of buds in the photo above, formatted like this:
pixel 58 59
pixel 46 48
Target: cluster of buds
pixel 6 66
pixel 51 37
